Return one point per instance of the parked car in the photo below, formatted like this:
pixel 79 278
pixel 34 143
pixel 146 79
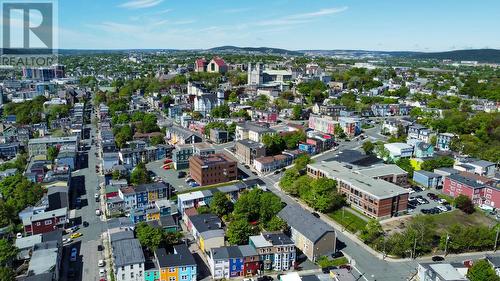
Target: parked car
pixel 100 248
pixel 67 240
pixel 19 235
pixel 437 258
pixel 85 224
pixel 98 212
pixel 265 278
pixel 167 161
pixel 74 253
pixel 75 235
pixel 277 172
pixel 181 174
pixel 102 272
pixel 315 214
pixel 100 263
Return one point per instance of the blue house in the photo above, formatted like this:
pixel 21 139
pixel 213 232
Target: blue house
pixel 423 150
pixel 308 148
pixel 427 179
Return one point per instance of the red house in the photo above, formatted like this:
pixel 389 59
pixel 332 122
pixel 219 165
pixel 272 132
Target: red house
pixel 479 191
pixel 45 222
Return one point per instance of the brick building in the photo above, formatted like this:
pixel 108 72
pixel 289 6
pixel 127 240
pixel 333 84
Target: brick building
pixel 212 169
pixel 481 190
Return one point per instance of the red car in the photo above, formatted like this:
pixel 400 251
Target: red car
pixel 166 167
pixel 167 161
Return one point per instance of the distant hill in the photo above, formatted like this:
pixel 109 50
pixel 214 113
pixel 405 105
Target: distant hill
pixel 259 50
pixel 480 55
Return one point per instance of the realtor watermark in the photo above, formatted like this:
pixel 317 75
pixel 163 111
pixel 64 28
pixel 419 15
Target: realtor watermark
pixel 29 33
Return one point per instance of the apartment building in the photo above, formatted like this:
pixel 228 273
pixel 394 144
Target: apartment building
pixel 212 169
pixel 233 261
pixel 311 235
pixel 39 146
pixel 481 190
pixel 252 131
pixel 247 151
pixel 276 250
pixel 375 198
pixel 177 266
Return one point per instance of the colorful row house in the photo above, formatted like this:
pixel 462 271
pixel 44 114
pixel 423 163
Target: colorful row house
pixel 144 194
pixel 178 266
pixel 233 261
pixel 153 212
pixel 275 249
pixel 206 229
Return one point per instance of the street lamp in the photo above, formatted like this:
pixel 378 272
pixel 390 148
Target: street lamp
pixel 446 244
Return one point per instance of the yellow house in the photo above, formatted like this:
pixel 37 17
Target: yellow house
pixel 416 163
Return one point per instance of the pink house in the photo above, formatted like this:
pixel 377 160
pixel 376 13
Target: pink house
pixel 480 192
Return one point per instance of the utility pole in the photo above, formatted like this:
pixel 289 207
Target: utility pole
pixel 446 244
pixel 414 248
pixel 496 239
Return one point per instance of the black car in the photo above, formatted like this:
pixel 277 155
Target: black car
pixel 181 174
pixel 100 248
pixel 315 214
pixel 277 172
pixel 85 224
pixel 265 278
pixel 437 258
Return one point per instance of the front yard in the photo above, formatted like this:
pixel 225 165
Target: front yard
pixel 348 220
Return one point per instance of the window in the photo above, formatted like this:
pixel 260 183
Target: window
pixel 131 275
pixel 123 276
pixel 48 222
pixel 171 269
pixel 38 224
pixel 123 267
pixel 184 277
pixel 131 266
pixel 171 278
pixel 184 268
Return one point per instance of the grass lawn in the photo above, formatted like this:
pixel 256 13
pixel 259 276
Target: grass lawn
pixel 324 262
pixel 350 221
pixel 446 197
pixel 444 220
pixel 209 186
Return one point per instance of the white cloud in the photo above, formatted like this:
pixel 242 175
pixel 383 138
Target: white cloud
pixel 319 13
pixel 140 4
pixel 301 18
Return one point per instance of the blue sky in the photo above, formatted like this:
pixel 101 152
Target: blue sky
pixel 418 25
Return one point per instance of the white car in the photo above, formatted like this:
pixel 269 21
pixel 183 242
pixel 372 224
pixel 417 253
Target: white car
pixel 410 190
pixel 96 195
pixel 67 240
pixel 442 208
pixel 100 263
pixel 19 235
pixel 102 272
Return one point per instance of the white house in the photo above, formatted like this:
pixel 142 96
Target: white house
pixel 399 150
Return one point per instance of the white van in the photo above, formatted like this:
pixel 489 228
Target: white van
pixel 98 212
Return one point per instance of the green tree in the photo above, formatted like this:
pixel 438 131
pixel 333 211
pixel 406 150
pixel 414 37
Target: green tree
pixel 482 271
pixel 238 232
pixel 405 164
pixel 220 204
pixel 52 153
pixel 149 236
pixel 274 144
pixel 270 205
pixel 8 252
pixel 203 210
pixel 7 274
pixel 368 147
pixel 221 111
pixel 293 139
pixel 248 205
pixel 296 112
pixel 464 203
pixel 302 161
pixel 276 224
pixel 156 140
pixel 372 231
pixel 140 175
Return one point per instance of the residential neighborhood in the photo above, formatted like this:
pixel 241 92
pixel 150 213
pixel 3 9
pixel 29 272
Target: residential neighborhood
pixel 249 164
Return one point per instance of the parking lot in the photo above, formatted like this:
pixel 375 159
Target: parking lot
pixel 420 202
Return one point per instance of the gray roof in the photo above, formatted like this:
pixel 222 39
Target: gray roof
pixel 181 257
pixel 482 163
pixel 28 241
pixel 250 143
pixel 121 235
pixel 382 170
pixel 127 252
pixel 428 174
pixel 205 222
pixel 44 258
pixel 256 128
pixel 304 222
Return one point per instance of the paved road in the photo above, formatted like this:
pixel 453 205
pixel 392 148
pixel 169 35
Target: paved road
pixel 86 181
